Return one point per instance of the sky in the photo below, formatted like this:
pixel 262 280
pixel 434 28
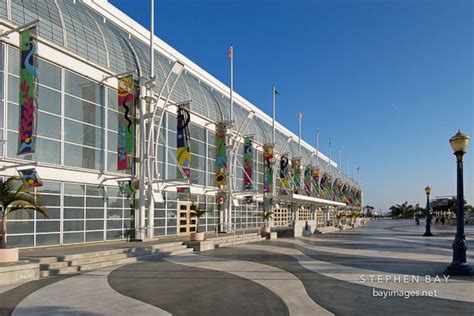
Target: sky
pixel 388 82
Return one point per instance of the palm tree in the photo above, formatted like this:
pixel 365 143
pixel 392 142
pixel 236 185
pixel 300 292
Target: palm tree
pixel 198 213
pixel 404 210
pixel 14 198
pixel 266 216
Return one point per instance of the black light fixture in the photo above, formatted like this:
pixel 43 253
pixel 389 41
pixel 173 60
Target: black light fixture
pixel 428 217
pixel 459 266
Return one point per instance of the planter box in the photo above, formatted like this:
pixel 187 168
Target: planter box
pixel 197 236
pixel 8 255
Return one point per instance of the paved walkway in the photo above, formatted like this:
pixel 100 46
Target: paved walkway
pixel 343 273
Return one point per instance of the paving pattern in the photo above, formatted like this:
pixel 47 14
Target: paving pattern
pixel 341 273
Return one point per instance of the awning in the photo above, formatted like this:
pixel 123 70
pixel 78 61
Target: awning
pixel 298 198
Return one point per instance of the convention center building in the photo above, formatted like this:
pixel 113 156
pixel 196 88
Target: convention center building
pixel 118 146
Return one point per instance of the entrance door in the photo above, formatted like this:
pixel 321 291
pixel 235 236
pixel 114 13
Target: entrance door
pixel 186 223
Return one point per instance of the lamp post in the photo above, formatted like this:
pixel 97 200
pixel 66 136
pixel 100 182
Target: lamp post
pixel 428 217
pixel 459 266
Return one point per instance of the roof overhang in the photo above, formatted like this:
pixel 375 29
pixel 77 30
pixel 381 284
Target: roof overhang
pixel 298 198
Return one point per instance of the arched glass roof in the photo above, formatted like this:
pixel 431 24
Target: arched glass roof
pixel 83 31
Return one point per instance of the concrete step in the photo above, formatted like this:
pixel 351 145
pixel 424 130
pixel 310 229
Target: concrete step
pixel 95 254
pixel 165 245
pixel 108 263
pixel 60 271
pixel 54 265
pixel 89 260
pixel 47 260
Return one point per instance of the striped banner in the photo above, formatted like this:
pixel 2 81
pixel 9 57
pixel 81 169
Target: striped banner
pixel 316 191
pixel 183 150
pixel 284 183
pixel 28 92
pixel 268 171
pixel 296 169
pixel 307 180
pixel 220 178
pixel 248 163
pixel 126 127
pixel 30 178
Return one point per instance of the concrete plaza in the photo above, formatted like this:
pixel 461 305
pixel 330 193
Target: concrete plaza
pixel 383 268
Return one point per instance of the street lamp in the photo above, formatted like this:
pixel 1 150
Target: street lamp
pixel 428 217
pixel 459 266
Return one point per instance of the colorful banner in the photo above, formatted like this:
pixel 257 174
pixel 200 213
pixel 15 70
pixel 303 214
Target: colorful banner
pixel 268 171
pixel 28 91
pixel 316 191
pixel 323 186
pixel 183 150
pixel 284 183
pixel 30 178
pixel 220 178
pixel 248 163
pixel 248 199
pixel 126 128
pixel 184 193
pixel 126 187
pixel 296 170
pixel 307 180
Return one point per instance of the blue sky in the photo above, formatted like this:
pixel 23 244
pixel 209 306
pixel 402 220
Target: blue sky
pixel 388 82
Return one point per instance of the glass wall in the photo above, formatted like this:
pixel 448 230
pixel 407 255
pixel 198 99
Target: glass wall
pixel 77 213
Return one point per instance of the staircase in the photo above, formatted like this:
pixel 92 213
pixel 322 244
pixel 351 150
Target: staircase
pixel 233 240
pixel 326 229
pixel 100 259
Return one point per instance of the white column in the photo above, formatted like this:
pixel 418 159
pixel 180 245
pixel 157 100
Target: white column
pixel 140 219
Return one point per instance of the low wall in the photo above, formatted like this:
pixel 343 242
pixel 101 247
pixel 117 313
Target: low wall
pixel 22 271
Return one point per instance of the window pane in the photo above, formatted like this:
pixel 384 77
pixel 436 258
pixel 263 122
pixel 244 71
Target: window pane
pixel 20 241
pixel 13 89
pixel 75 189
pixel 50 75
pixel 49 100
pixel 47 226
pixel 49 125
pixel 47 239
pixel 82 88
pixel 21 227
pixel 73 213
pixel 83 111
pixel 83 134
pixel 73 238
pixel 73 225
pixel 112 99
pixel 13 61
pixel 82 157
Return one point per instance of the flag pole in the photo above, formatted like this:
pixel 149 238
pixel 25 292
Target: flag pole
pixel 231 53
pixel 317 147
pixel 299 138
pixel 152 32
pixel 330 155
pixel 273 115
pixel 347 162
pixel 340 160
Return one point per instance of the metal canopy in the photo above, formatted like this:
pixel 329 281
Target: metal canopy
pixel 298 198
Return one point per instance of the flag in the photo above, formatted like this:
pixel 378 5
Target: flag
pixel 301 116
pixel 229 54
pixel 276 92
